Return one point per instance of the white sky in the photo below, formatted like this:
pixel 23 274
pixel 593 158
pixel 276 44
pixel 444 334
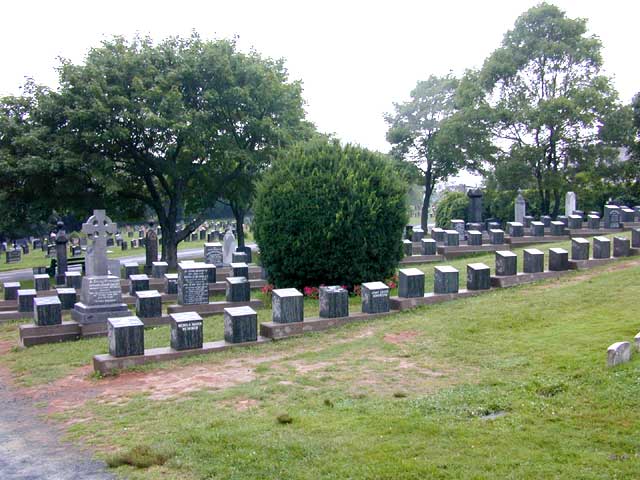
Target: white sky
pixel 355 58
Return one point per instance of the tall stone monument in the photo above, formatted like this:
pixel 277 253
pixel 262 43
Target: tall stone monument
pixel 520 209
pixel 101 295
pixel 228 247
pixel 151 248
pixel 61 254
pixel 569 203
pixel 475 205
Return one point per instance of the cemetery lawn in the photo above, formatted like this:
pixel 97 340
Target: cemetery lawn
pixel 509 384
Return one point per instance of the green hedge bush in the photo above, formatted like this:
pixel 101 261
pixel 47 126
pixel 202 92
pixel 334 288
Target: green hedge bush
pixel 327 214
pixel 452 206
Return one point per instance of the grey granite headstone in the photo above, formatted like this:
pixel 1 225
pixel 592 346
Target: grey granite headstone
pixel 228 247
pixel 11 290
pixel 601 247
pixel 537 229
pixel 240 325
pixel 558 259
pixel 417 234
pixel 575 222
pixel 516 229
pixel 126 336
pixel 569 203
pixel 437 234
pixel 212 273
pixel 618 353
pixel 139 283
pixel 611 216
pixel 475 205
pixel 100 299
pixel 452 238
pixel 193 285
pixel 627 215
pixel 546 220
pixel 239 257
pixel 67 296
pixel 635 237
pixel 47 311
pixel 287 306
pixel 496 236
pixel 459 226
pixel 474 238
pixel 41 282
pixel 171 283
pixel 73 279
pixel 213 253
pixel 98 227
pixel 520 208
pixel 61 253
pixel 526 222
pixel 445 279
pixel 533 261
pixel 238 289
pixel 478 276
pixel 564 219
pixel 506 263
pixel 131 268
pixel 334 302
pixel 240 269
pixel 557 228
pixel 158 269
pixel 429 246
pixel 411 283
pixel 494 226
pixel 621 247
pixel 593 221
pixel 579 249
pixel 25 299
pixel 375 297
pixel 407 248
pixel 13 256
pixel 148 304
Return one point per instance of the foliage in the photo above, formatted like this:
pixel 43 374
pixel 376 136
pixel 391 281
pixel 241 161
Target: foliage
pixel 327 214
pixel 452 206
pixel 425 132
pixel 548 101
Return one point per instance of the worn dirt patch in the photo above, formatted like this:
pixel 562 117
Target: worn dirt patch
pixel 401 337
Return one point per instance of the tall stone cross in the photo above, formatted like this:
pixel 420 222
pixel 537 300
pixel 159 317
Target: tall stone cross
pixel 98 227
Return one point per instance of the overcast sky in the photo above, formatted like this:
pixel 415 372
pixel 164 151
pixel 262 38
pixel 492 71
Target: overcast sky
pixel 355 58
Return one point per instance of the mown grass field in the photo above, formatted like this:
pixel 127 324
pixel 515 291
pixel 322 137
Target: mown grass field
pixel 510 384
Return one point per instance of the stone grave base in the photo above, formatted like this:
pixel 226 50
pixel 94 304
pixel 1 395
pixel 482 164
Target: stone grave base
pixel 592 262
pixel 106 364
pixel 461 250
pixel 85 314
pixel 212 308
pixel 399 303
pixel 277 331
pixel 630 225
pixel 222 286
pixel 533 240
pixel 8 305
pixel 14 314
pixel 414 259
pixel 633 251
pixel 520 278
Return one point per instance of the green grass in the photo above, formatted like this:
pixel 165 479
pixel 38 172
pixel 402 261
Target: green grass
pixel 509 384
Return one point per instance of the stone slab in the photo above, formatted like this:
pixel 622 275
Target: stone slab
pixel 592 262
pixel 106 364
pixel 453 252
pixel 534 240
pixel 416 259
pixel 521 278
pixel 212 308
pixel 431 298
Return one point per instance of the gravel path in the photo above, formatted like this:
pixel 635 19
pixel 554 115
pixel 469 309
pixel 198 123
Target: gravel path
pixel 31 449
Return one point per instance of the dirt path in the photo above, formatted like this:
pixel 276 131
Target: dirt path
pixel 31 449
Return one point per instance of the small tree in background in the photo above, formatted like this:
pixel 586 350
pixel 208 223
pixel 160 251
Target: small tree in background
pixel 453 205
pixel 327 214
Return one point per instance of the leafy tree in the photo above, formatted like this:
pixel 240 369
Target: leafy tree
pixel 452 206
pixel 173 126
pixel 548 100
pixel 327 214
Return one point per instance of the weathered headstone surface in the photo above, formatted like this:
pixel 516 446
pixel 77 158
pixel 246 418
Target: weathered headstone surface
pixel 458 226
pixel 238 289
pixel 537 229
pixel 593 221
pixel 564 219
pixel 139 283
pixel 445 279
pixel 213 254
pixel 158 269
pixel 618 353
pixel 569 203
pixel 61 253
pixel 239 257
pixel 41 282
pixel 407 247
pixel 494 225
pixel 506 263
pixel 148 304
pixel 496 236
pixel 520 208
pixel 411 283
pixel 126 336
pixel 516 229
pixel 579 249
pixel 98 227
pixel 130 268
pixel 635 237
pixel 47 311
pixel 287 305
pixel 240 325
pixel 193 285
pixel 25 299
pixel 533 261
pixel 67 296
pixel 627 215
pixel 171 283
pixel 100 299
pixel 429 246
pixel 611 216
pixel 557 228
pixel 474 237
pixel 475 205
pixel 240 269
pixel 575 222
pixel 558 259
pixel 601 247
pixel 247 251
pixel 621 247
pixel 13 256
pixel 228 247
pixel 546 220
pixel 212 273
pixel 151 248
pixel 527 221
pixel 452 238
pixel 334 302
pixel 417 234
pixel 437 234
pixel 478 276
pixel 375 297
pixel 11 290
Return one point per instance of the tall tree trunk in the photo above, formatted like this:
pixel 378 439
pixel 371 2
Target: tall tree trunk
pixel 428 190
pixel 238 214
pixel 556 199
pixel 170 241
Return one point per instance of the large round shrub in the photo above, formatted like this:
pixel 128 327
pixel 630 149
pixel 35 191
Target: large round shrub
pixel 327 214
pixel 452 206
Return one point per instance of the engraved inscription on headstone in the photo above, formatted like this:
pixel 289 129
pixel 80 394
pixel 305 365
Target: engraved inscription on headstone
pixel 193 285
